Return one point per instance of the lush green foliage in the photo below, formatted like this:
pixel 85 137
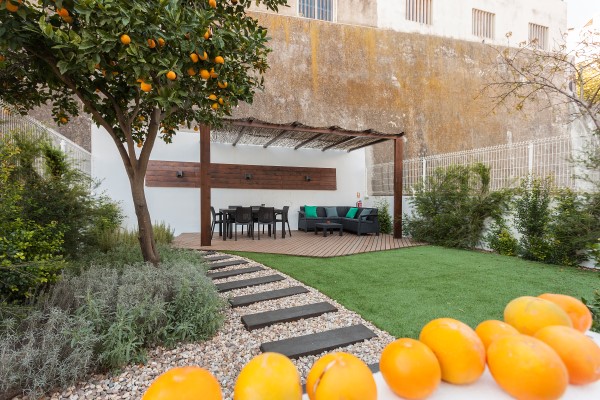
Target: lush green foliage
pixel 385 219
pixel 532 216
pixel 110 239
pixel 401 290
pixel 452 207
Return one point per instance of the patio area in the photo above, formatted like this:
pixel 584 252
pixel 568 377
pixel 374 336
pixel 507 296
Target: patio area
pixel 300 244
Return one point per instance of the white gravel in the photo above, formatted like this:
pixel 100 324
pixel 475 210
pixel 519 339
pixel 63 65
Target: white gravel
pixel 233 346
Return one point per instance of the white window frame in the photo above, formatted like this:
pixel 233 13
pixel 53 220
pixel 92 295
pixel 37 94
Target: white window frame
pixel 419 11
pixel 314 5
pixel 541 33
pixel 483 24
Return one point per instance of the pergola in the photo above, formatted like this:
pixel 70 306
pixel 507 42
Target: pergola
pixel 293 135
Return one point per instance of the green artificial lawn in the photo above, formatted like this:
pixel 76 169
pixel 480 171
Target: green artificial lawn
pixel 401 290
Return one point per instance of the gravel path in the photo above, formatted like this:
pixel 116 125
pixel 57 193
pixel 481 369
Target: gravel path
pixel 233 346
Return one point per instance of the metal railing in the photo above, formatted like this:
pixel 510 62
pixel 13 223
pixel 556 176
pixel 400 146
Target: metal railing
pixel 12 121
pixel 508 164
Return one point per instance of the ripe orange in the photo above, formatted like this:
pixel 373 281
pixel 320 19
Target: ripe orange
pixel 268 376
pixel 194 57
pixel 527 368
pixel 222 85
pixel 196 128
pixel 146 87
pixel 151 43
pixel 204 56
pixel 491 330
pixel 191 71
pixel 213 74
pixel 219 60
pixel 184 383
pixel 340 376
pixel 212 96
pixel 410 369
pixel 212 3
pixel 221 101
pixel 215 106
pixel 125 39
pixel 171 75
pixel 579 313
pixel 64 120
pixel 140 144
pixel 161 42
pixel 207 34
pixel 13 7
pixel 458 349
pixel 578 352
pixel 530 314
pixel 204 74
pixel 63 12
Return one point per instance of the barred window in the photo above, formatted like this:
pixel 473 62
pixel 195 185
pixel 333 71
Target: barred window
pixel 316 9
pixel 484 23
pixel 419 11
pixel 538 35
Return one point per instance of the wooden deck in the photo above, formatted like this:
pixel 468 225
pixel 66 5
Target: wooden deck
pixel 300 244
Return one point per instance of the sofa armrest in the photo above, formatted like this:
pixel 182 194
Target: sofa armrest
pixel 301 214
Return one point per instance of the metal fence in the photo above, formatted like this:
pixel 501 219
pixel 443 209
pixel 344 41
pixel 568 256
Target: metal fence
pixel 12 121
pixel 508 164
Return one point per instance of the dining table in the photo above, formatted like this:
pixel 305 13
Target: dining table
pixel 229 213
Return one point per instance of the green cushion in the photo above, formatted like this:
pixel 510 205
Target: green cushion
pixel 310 211
pixel 352 212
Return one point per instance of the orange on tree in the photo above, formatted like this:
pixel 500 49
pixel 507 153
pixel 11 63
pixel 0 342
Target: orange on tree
pixel 146 87
pixel 212 96
pixel 64 120
pixel 204 56
pixel 458 349
pixel 207 34
pixel 530 314
pixel 194 57
pixel 213 74
pixel 191 71
pixel 221 101
pixel 222 85
pixel 196 128
pixel 184 383
pixel 219 60
pixel 579 353
pixel 63 12
pixel 140 144
pixel 268 376
pixel 10 6
pixel 171 75
pixel 68 20
pixel 151 43
pixel 2 58
pixel 125 39
pixel 215 106
pixel 161 42
pixel 492 329
pixel 340 376
pixel 204 74
pixel 410 368
pixel 212 3
pixel 579 313
pixel 527 368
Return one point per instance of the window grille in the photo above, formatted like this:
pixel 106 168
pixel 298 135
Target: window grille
pixel 419 11
pixel 316 9
pixel 484 24
pixel 538 36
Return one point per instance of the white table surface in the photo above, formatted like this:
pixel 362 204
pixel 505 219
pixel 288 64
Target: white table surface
pixel 486 388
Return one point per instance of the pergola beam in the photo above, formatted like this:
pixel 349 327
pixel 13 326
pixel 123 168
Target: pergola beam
pixel 205 200
pixel 312 139
pixel 277 137
pixel 367 144
pixel 239 136
pixel 398 160
pixel 344 140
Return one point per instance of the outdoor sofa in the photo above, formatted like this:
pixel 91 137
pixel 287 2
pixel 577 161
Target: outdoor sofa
pixel 365 220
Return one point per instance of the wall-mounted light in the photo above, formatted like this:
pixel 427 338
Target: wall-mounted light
pixel 180 174
pixel 307 178
pixel 248 176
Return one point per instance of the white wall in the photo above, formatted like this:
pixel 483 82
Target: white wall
pixel 180 207
pixel 453 18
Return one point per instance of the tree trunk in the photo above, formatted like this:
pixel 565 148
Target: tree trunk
pixel 146 234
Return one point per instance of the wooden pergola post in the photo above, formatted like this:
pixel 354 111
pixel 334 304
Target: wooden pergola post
pixel 398 158
pixel 205 184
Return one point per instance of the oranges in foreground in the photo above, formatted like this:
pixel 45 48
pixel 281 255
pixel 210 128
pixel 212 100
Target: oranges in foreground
pixel 530 314
pixel 340 376
pixel 458 349
pixel 184 383
pixel 580 315
pixel 268 376
pixel 492 329
pixel 527 368
pixel 410 369
pixel 578 352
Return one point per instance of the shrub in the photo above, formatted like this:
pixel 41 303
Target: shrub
pixel 110 239
pixel 503 242
pixel 453 205
pixel 383 215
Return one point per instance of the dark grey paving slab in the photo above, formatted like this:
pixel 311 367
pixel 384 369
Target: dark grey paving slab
pixel 227 286
pixel 246 300
pixel 267 318
pixel 225 264
pixel 217 258
pixel 317 343
pixel 233 272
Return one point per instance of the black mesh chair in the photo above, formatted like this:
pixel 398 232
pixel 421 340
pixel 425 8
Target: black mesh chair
pixel 266 216
pixel 217 218
pixel 284 220
pixel 243 217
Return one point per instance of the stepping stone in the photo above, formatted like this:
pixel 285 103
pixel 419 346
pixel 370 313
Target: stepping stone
pixel 317 343
pixel 217 258
pixel 233 272
pixel 262 319
pixel 246 300
pixel 227 286
pixel 225 264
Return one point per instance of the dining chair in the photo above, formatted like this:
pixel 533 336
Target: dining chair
pixel 266 216
pixel 284 220
pixel 217 218
pixel 243 217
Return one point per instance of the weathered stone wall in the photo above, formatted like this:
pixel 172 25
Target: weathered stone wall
pixel 325 74
pixel 78 129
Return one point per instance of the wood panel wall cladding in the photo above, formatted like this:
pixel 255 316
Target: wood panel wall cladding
pixel 239 176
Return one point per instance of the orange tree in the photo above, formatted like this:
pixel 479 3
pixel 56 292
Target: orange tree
pixel 140 68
